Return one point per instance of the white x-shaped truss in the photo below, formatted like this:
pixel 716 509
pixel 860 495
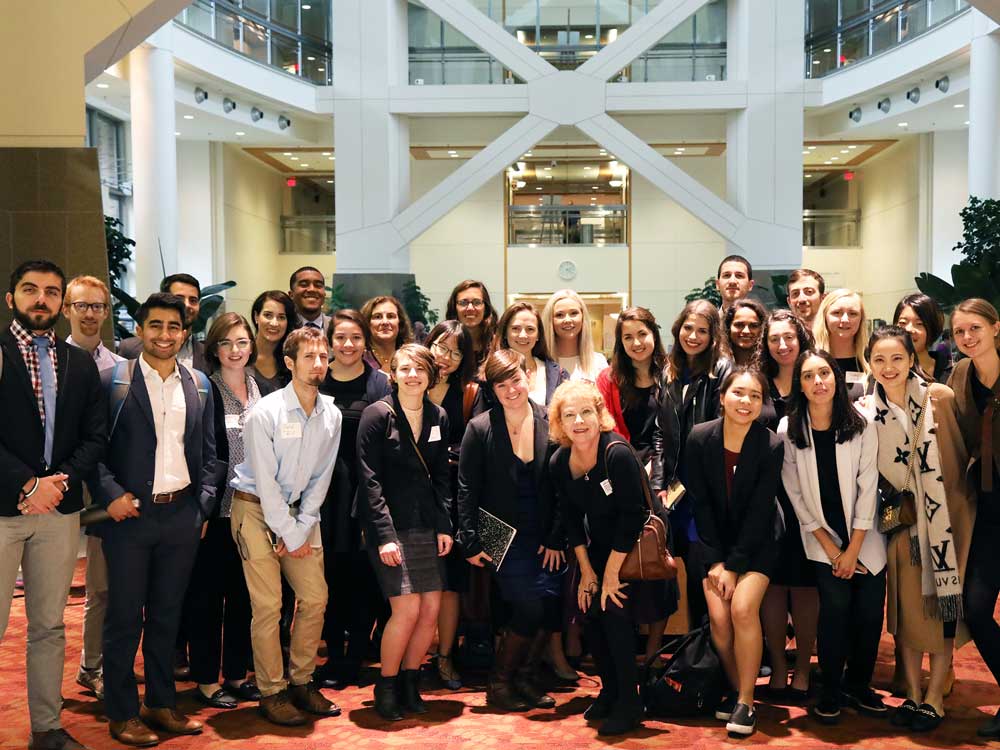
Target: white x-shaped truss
pixel 582 98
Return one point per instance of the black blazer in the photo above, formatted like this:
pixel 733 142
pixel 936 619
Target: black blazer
pixel 130 463
pixel 80 430
pixel 395 492
pixel 131 348
pixel 734 530
pixel 487 478
pixel 555 376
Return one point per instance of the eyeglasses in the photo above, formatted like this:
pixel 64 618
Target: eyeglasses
pixel 239 344
pixel 444 351
pixel 97 307
pixel 476 303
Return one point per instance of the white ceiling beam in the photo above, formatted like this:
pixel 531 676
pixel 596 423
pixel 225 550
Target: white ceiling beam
pixel 639 37
pixel 682 96
pixel 446 100
pixel 423 213
pixel 491 37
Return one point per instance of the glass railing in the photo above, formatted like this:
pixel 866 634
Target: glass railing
pixel 567 225
pixel 309 235
pixel 831 228
pixel 240 29
pixel 885 26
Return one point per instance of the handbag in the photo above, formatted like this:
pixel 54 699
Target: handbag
pixel 897 509
pixel 649 559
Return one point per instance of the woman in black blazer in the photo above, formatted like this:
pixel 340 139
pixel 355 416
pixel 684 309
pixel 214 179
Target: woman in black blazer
pixel 503 470
pixel 734 465
pixel 404 494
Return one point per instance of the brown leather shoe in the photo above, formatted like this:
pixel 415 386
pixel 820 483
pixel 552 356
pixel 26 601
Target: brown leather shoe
pixel 169 720
pixel 278 709
pixel 308 698
pixel 54 739
pixel 133 732
pixel 92 680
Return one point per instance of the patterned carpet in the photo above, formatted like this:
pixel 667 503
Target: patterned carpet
pixel 460 719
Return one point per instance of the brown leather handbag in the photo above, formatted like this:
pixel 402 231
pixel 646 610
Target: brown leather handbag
pixel 650 558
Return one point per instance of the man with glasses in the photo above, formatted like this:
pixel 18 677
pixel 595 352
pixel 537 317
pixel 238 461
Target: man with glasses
pixel 86 307
pixel 307 288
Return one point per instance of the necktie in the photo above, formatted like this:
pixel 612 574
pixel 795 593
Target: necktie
pixel 48 375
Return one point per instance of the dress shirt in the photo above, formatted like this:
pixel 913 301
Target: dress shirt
pixel 185 355
pixel 26 345
pixel 289 460
pixel 166 397
pixel 104 358
pixel 319 322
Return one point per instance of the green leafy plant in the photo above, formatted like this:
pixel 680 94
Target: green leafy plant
pixel 978 273
pixel 417 304
pixel 709 291
pixel 119 248
pixel 336 299
pixel 211 300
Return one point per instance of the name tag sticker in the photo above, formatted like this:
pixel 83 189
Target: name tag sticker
pixel 291 430
pixel 435 435
pixel 606 486
pixel 233 422
pixel 854 377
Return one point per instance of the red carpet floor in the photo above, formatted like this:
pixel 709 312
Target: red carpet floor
pixel 460 720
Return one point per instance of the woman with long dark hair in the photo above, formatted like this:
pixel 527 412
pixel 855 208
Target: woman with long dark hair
pixel 274 317
pixel 742 325
pixel 353 601
pixel 733 474
pixel 404 494
pixel 389 328
pixel 521 329
pixel 451 344
pixel 924 609
pixel 503 470
pixel 831 475
pixel 470 304
pixel 793 585
pixel 975 381
pixel 922 318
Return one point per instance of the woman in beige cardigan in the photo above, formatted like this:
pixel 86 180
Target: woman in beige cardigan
pixel 926 560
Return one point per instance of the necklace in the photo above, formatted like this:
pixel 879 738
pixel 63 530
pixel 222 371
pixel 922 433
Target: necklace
pixel 515 431
pixel 418 410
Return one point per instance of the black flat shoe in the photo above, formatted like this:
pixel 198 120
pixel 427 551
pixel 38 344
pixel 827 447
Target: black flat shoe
pixel 926 718
pixel 219 699
pixel 903 716
pixel 991 728
pixel 246 691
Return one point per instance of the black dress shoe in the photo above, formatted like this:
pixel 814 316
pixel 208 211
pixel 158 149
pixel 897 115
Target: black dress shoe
pixel 903 716
pixel 245 691
pixel 926 719
pixel 219 699
pixel 991 728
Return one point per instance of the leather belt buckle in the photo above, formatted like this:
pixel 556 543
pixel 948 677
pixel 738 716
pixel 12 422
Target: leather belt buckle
pixel 165 498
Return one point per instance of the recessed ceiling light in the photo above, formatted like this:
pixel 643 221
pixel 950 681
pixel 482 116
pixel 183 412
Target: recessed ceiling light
pixel 304 166
pixel 902 124
pixel 332 158
pixel 453 156
pixel 177 132
pixel 295 158
pixel 240 132
pixel 452 151
pixel 329 182
pixel 680 148
pixel 306 7
pixel 959 106
pixel 844 151
pixel 834 158
pixel 188 117
pixel 321 70
pixel 286 153
pixel 816 62
pixel 811 148
pixel 527 153
pixel 102 86
pixel 852 147
pixel 678 153
pixel 807 176
pixel 326 153
pixel 588 36
pixel 805 153
pixel 595 187
pixel 537 188
pixel 547 169
pixel 310 58
pixel 966 122
pixel 827 49
pixel 828 162
pixel 603 151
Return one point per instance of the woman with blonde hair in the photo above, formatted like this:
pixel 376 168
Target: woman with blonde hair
pixel 567 329
pixel 840 328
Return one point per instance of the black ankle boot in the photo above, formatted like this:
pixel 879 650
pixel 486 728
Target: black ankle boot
pixel 386 704
pixel 408 693
pixel 500 692
pixel 525 684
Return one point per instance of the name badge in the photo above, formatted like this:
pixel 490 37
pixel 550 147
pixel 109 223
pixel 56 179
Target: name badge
pixel 233 422
pixel 435 435
pixel 291 430
pixel 854 377
pixel 606 486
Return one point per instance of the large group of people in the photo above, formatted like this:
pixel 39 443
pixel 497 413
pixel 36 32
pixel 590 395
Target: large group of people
pixel 304 477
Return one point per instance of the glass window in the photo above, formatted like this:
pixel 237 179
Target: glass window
pixel 198 16
pixel 821 15
pixel 852 9
pixel 254 41
pixel 256 6
pixel 316 20
pixel 227 30
pixel 520 15
pixel 284 53
pixel 854 45
pixel 885 31
pixel 286 13
pixel 316 66
pixel 710 23
pixel 424 28
pixel 822 58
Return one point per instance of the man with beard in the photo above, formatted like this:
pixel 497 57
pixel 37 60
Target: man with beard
pixel 191 353
pixel 158 485
pixel 734 280
pixel 291 438
pixel 307 288
pixel 86 307
pixel 806 290
pixel 53 405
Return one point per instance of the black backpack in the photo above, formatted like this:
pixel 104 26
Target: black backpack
pixel 692 681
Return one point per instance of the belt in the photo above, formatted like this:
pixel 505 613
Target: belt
pixel 165 498
pixel 246 497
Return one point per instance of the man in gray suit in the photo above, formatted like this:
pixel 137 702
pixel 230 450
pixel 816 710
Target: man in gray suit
pixel 192 352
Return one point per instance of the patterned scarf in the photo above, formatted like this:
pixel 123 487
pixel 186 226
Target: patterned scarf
pixel 930 537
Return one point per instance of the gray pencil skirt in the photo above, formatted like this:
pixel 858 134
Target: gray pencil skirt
pixel 421 570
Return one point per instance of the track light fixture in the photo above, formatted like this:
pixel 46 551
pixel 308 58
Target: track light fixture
pixel 942 84
pixel 256 114
pixel 913 95
pixel 885 105
pixel 855 114
pixel 283 122
pixel 228 105
pixel 200 95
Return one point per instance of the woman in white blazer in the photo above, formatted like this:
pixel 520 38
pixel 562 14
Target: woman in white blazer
pixel 830 473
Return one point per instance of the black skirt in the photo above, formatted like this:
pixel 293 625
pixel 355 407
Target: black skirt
pixel 792 567
pixel 421 570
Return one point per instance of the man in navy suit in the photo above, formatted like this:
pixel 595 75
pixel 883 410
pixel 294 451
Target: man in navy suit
pixel 158 485
pixel 55 430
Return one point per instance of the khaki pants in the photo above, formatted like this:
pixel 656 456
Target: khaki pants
pixel 95 606
pixel 263 570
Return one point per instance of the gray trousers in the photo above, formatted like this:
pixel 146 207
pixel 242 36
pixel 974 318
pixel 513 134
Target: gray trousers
pixel 44 546
pixel 95 605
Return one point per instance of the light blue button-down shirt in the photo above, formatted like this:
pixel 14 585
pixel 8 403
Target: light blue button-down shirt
pixel 289 458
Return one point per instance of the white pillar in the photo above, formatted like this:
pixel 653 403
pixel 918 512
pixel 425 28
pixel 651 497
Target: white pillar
pixel 764 141
pixel 984 109
pixel 154 160
pixel 373 160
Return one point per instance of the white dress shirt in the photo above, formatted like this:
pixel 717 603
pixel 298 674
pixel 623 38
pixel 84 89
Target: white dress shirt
pixel 166 397
pixel 537 392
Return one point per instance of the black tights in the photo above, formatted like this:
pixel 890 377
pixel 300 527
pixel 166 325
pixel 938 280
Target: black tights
pixel 982 585
pixel 528 616
pixel 611 636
